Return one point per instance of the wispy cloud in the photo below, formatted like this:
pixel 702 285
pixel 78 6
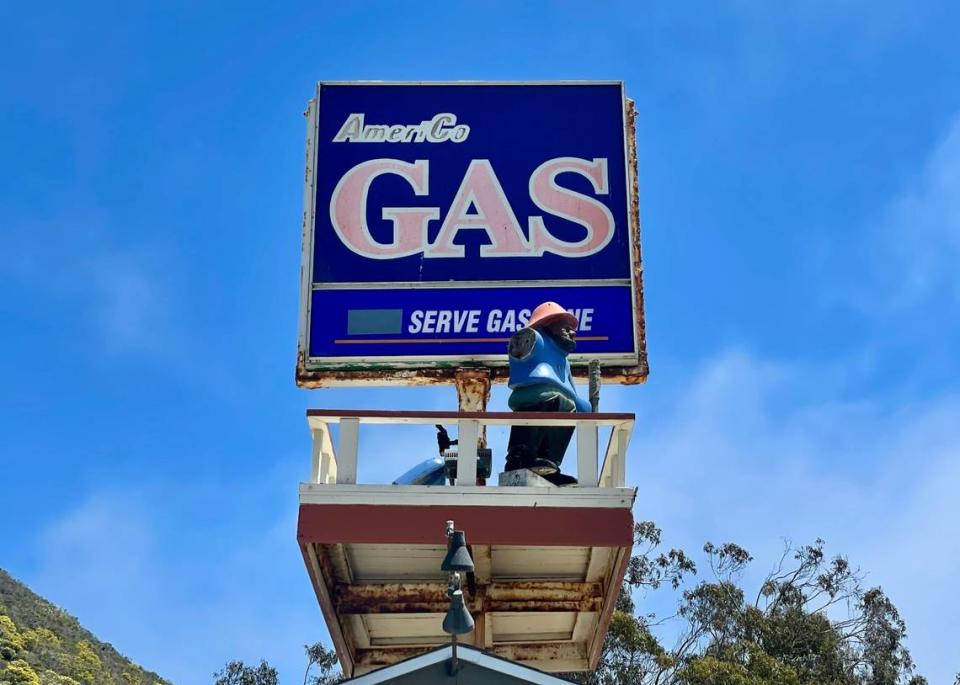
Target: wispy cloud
pixel 183 579
pixel 915 244
pixel 924 224
pixel 733 454
pixel 121 293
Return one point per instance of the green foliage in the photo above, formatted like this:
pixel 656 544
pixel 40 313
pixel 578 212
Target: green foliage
pixel 19 672
pixel 321 670
pixel 132 678
pixel 11 641
pixel 51 678
pixel 41 640
pixel 811 622
pixel 87 666
pixel 54 645
pixel 741 664
pixel 325 661
pixel 238 673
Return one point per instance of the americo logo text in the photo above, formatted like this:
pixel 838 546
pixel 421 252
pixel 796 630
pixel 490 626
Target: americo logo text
pixel 441 128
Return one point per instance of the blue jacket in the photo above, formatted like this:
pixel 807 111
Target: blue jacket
pixel 546 365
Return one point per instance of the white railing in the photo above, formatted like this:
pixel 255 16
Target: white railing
pixel 330 466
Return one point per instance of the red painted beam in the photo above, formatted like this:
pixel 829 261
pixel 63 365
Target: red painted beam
pixel 424 525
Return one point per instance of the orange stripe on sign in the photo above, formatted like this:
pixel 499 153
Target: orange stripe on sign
pixel 405 341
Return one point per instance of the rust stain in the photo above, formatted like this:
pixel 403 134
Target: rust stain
pixel 545 591
pixel 540 606
pixel 394 598
pixel 473 389
pixel 359 375
pixel 385 657
pixel 379 377
pixel 538 651
pixel 431 598
pixel 473 394
pixel 375 657
pixel 639 373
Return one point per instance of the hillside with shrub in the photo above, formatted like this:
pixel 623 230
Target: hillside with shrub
pixel 41 644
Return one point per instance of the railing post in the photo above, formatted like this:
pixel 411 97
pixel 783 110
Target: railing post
pixel 587 453
pixel 468 433
pixel 316 455
pixel 613 474
pixel 619 471
pixel 347 452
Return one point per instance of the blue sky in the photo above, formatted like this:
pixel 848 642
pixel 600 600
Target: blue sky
pixel 800 197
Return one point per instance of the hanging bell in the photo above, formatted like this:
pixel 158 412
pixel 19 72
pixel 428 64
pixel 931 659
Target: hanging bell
pixel 458 556
pixel 458 620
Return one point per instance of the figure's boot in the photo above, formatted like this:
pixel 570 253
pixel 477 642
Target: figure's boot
pixel 560 479
pixel 521 457
pixel 543 467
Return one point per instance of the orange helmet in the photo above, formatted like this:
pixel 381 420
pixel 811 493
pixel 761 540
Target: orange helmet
pixel 549 312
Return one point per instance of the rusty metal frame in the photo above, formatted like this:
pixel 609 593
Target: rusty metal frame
pixel 417 371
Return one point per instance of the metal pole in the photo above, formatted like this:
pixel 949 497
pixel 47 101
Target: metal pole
pixel 594 375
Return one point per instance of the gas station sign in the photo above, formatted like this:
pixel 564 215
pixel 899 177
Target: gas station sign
pixel 437 216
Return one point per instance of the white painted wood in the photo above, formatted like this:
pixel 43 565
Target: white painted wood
pixel 467 435
pixel 480 618
pixel 349 439
pixel 515 419
pixel 482 563
pixel 326 468
pixel 395 563
pixel 620 465
pixel 340 564
pixel 587 452
pixel 329 462
pixel 599 566
pixel 553 563
pixel 323 597
pixel 323 466
pixel 595 643
pixel 467 495
pixel 396 630
pixel 358 631
pixel 315 456
pixel 328 458
pixel 532 626
pixel 614 473
pixel 585 626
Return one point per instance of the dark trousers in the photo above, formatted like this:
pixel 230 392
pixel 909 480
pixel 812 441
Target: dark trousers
pixel 543 442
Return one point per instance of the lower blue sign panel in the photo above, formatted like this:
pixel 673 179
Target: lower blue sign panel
pixel 434 323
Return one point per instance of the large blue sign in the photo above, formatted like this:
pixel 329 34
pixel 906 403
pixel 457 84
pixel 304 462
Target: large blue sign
pixel 439 215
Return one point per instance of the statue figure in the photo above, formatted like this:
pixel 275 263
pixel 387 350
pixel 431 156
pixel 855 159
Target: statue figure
pixel 541 381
